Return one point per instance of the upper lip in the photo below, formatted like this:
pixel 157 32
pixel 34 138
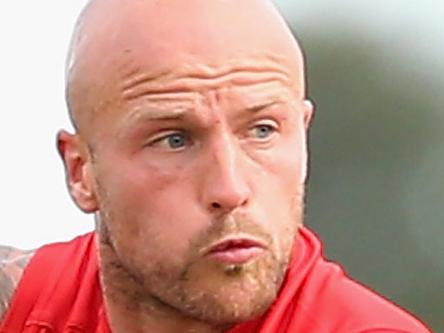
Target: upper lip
pixel 237 241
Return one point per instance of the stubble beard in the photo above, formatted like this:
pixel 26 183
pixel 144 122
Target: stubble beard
pixel 228 295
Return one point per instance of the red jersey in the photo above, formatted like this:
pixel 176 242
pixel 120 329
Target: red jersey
pixel 60 293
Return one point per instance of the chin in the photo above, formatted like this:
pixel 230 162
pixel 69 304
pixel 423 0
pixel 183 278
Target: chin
pixel 232 295
pixel 231 310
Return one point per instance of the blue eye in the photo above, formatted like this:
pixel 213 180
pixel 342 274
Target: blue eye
pixel 263 131
pixel 176 140
pixel 171 141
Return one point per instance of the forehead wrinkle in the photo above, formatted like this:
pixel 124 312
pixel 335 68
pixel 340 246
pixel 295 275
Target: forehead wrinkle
pixel 169 106
pixel 159 107
pixel 203 77
pixel 258 96
pixel 163 105
pixel 158 113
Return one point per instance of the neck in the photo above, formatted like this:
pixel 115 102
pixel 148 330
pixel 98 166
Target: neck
pixel 131 310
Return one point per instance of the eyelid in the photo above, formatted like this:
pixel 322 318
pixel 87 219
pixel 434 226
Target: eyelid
pixel 158 138
pixel 265 122
pixel 273 124
pixel 162 135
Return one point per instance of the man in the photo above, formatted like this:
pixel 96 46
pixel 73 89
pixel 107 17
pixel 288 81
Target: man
pixel 190 121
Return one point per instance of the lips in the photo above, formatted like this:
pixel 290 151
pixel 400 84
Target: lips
pixel 228 244
pixel 235 250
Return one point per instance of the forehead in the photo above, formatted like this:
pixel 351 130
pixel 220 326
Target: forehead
pixel 231 88
pixel 200 76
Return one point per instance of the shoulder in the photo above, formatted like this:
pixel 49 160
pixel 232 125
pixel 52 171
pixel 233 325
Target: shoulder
pixel 12 265
pixel 328 296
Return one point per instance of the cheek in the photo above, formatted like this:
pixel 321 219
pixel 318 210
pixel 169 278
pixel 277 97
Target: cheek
pixel 284 167
pixel 145 211
pixel 280 191
pixel 286 160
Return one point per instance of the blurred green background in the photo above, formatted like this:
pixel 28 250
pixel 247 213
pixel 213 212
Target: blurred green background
pixel 376 190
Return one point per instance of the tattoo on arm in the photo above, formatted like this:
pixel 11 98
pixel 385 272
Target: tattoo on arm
pixel 12 265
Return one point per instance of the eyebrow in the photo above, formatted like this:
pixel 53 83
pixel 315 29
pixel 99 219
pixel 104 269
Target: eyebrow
pixel 153 110
pixel 138 116
pixel 262 106
pixel 162 114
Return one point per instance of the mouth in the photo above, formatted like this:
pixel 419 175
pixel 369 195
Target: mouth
pixel 235 250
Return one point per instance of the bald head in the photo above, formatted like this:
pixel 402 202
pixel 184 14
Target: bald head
pixel 118 43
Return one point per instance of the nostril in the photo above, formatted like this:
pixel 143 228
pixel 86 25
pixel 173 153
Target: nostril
pixel 216 205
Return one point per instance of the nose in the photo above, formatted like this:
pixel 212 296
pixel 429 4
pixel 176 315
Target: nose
pixel 225 187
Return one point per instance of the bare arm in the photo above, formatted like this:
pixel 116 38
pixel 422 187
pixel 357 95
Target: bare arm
pixel 12 265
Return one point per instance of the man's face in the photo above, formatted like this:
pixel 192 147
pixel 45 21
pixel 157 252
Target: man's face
pixel 199 166
pixel 201 190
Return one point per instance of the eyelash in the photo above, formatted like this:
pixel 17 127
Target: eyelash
pixel 164 137
pixel 270 125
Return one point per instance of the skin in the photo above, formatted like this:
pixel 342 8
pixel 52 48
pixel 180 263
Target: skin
pixel 191 124
pixel 12 265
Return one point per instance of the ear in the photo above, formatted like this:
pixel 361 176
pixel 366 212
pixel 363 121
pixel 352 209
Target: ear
pixel 78 171
pixel 308 110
